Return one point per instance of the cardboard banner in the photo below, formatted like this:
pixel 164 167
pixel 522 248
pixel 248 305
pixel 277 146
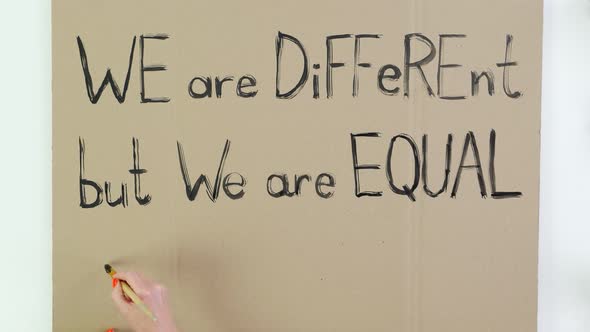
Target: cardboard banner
pixel 299 166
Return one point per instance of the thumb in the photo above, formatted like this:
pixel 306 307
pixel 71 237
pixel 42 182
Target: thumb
pixel 120 301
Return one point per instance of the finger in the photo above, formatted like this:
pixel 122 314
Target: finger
pixel 120 301
pixel 115 283
pixel 132 278
pixel 139 284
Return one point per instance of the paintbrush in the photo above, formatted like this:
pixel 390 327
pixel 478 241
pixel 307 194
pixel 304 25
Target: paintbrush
pixel 128 291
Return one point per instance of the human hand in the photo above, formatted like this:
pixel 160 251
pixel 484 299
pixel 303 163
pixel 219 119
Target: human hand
pixel 154 296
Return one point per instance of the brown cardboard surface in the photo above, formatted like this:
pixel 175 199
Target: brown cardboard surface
pixel 301 263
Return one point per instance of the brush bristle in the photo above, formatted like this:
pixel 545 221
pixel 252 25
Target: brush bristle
pixel 107 268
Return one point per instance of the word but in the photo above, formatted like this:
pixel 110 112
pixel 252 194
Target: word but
pixel 105 191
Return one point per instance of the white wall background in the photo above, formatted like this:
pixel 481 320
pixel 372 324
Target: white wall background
pixel 564 269
pixel 25 165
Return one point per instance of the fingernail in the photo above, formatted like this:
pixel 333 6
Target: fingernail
pixel 115 282
pixel 111 330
